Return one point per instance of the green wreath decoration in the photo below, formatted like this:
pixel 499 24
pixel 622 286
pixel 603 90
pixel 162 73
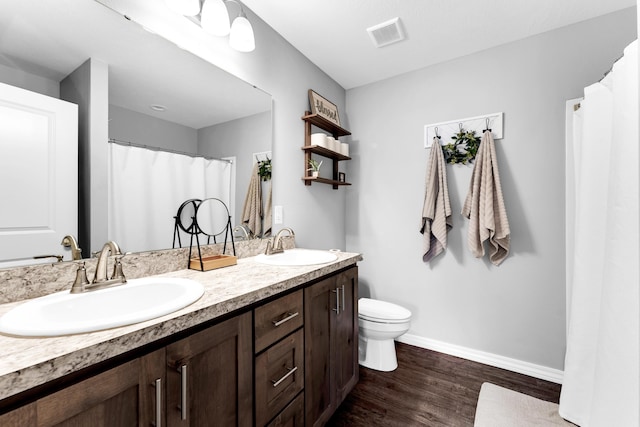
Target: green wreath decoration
pixel 264 169
pixel 463 149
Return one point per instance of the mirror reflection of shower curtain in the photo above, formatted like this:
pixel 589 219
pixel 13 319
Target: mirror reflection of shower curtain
pixel 601 385
pixel 146 188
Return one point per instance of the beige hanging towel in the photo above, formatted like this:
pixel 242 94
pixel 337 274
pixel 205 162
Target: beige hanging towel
pixel 484 205
pixel 252 211
pixel 267 212
pixel 436 211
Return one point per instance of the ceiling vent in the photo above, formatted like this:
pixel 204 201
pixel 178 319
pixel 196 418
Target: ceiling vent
pixel 386 33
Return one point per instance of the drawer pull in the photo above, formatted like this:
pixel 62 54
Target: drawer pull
pixel 287 375
pixel 183 392
pixel 337 292
pixel 158 385
pixel 290 316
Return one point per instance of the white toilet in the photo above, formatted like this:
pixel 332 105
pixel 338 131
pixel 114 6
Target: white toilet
pixel 380 323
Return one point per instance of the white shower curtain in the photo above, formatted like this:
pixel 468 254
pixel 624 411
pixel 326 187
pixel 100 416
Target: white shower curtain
pixel 601 385
pixel 146 188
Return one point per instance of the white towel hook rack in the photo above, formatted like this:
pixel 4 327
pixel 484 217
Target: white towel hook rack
pixel 445 130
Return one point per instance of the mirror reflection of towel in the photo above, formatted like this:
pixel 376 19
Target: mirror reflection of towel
pixel 267 212
pixel 252 211
pixel 436 211
pixel 484 205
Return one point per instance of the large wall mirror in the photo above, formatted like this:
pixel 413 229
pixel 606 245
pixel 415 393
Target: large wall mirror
pixel 160 96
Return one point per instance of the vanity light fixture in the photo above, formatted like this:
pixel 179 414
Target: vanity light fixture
pixel 214 19
pixel 241 37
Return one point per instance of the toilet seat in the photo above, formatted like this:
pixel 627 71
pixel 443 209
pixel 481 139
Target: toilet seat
pixel 382 311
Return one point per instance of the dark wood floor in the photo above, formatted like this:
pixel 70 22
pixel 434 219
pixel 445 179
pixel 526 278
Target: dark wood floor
pixel 429 389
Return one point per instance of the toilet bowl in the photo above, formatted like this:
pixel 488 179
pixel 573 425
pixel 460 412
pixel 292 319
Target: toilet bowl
pixel 380 323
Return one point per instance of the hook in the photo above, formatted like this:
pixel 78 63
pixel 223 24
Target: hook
pixel 460 126
pixel 435 131
pixel 487 125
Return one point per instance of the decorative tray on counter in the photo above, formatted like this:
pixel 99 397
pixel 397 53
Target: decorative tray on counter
pixel 212 262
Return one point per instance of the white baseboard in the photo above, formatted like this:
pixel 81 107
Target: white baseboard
pixel 514 365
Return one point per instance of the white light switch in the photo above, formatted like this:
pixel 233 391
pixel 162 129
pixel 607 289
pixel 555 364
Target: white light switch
pixel 277 214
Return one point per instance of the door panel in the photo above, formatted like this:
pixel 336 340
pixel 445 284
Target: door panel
pixel 39 201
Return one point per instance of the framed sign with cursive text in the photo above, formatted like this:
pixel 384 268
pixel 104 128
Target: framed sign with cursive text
pixel 324 108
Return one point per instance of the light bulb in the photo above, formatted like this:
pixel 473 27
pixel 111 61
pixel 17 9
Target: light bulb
pixel 241 37
pixel 215 18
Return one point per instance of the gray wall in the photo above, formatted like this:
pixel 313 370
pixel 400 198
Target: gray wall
pixel 19 78
pixel 88 87
pixel 131 126
pixel 516 310
pixel 240 138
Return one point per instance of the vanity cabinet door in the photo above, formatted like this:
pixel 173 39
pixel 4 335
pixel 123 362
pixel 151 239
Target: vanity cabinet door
pixel 210 376
pixel 320 302
pixel 122 396
pixel 346 337
pixel 331 344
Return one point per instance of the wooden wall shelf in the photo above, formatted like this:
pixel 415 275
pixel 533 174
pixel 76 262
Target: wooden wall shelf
pixel 336 131
pixel 325 124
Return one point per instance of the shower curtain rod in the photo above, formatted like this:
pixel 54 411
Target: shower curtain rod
pixel 148 147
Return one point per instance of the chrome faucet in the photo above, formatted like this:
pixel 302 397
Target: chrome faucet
pixel 110 247
pixel 242 229
pixel 274 246
pixel 69 241
pixel 100 279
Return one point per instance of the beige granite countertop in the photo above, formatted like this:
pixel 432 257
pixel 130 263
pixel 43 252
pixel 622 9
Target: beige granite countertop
pixel 29 362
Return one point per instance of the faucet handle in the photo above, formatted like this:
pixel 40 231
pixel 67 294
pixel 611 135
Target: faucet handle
pixel 117 268
pixel 81 280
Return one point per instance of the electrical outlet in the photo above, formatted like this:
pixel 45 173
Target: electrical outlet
pixel 277 214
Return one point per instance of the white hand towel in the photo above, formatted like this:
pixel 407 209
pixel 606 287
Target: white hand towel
pixel 484 206
pixel 436 210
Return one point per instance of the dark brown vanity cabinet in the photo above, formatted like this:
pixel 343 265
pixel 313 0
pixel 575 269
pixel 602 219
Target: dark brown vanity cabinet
pixel 205 379
pixel 280 374
pixel 130 394
pixel 290 361
pixel 331 344
pixel 210 376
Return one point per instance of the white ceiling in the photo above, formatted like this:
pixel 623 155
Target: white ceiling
pixel 332 33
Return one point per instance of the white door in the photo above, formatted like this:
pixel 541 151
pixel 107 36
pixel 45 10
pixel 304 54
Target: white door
pixel 38 175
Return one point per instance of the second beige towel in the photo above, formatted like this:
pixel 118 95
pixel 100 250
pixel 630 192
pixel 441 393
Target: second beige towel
pixel 484 206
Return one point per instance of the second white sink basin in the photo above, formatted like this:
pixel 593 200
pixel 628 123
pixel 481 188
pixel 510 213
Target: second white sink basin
pixel 297 257
pixel 63 313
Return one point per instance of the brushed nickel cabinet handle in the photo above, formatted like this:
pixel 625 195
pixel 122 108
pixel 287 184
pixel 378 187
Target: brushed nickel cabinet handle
pixel 290 372
pixel 290 316
pixel 343 305
pixel 158 385
pixel 183 392
pixel 337 292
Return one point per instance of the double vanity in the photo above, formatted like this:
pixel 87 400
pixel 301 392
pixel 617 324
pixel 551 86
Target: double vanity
pixel 264 345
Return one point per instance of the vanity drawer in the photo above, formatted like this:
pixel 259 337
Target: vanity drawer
pixel 277 319
pixel 279 376
pixel 292 415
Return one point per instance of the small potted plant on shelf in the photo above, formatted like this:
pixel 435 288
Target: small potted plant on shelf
pixel 314 167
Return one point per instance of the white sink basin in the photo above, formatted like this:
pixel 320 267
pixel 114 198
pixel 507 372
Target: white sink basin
pixel 297 257
pixel 63 313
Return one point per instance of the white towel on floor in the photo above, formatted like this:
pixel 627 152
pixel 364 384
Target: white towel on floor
pixel 436 210
pixel 484 205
